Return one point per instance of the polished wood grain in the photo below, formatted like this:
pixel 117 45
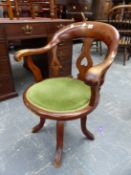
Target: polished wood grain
pixel 92 75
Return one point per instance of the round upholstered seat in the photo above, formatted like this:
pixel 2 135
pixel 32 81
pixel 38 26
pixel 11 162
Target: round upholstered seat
pixel 59 95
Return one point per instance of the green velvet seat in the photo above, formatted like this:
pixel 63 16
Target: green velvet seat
pixel 59 95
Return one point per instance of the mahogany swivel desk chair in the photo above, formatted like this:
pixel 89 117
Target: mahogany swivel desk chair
pixel 65 98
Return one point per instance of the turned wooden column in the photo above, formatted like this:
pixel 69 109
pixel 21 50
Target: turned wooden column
pixel 32 9
pixel 53 10
pixel 9 8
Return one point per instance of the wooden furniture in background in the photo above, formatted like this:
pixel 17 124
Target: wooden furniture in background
pixel 25 29
pixel 29 8
pixel 120 17
pixel 101 9
pixel 92 9
pixel 75 7
pixel 7 5
pixel 89 76
pixel 120 2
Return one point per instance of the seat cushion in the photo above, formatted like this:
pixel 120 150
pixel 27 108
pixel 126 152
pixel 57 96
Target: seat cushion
pixel 59 95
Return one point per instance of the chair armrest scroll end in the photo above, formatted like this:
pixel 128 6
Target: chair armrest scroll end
pixel 19 55
pixel 92 78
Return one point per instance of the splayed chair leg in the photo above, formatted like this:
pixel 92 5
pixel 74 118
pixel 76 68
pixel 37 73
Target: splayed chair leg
pixel 85 131
pixel 59 144
pixel 39 126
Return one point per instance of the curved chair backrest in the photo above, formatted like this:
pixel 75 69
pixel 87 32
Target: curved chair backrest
pixel 89 31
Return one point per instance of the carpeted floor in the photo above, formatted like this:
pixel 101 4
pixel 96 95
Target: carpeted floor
pixel 24 153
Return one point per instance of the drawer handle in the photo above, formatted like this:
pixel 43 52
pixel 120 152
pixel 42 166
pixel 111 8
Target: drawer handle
pixel 61 44
pixel 60 26
pixel 86 8
pixel 27 29
pixel 74 7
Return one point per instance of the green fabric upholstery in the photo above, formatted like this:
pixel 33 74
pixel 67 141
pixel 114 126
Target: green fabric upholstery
pixel 59 94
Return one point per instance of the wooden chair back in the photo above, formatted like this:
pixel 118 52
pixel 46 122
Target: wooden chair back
pixel 89 31
pixel 120 17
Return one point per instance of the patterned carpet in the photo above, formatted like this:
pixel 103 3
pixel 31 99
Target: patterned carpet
pixel 24 153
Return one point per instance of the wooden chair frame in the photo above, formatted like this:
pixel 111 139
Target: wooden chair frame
pixel 90 74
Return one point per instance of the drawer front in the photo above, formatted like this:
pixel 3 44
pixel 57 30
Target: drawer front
pixel 26 30
pixel 4 67
pixel 5 85
pixel 78 8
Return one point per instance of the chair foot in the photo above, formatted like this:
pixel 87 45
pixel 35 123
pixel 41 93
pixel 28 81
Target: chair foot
pixel 58 156
pixel 59 144
pixel 39 126
pixel 85 131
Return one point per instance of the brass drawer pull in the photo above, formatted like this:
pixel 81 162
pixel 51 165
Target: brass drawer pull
pixel 74 7
pixel 86 8
pixel 27 29
pixel 60 26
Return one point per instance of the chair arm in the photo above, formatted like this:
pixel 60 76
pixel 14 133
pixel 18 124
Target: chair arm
pixel 29 52
pixel 95 75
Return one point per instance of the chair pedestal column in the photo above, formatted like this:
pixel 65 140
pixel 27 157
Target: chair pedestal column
pixel 59 144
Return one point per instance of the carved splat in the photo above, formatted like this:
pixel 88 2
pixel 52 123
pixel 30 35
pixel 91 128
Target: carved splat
pixel 84 57
pixel 55 64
